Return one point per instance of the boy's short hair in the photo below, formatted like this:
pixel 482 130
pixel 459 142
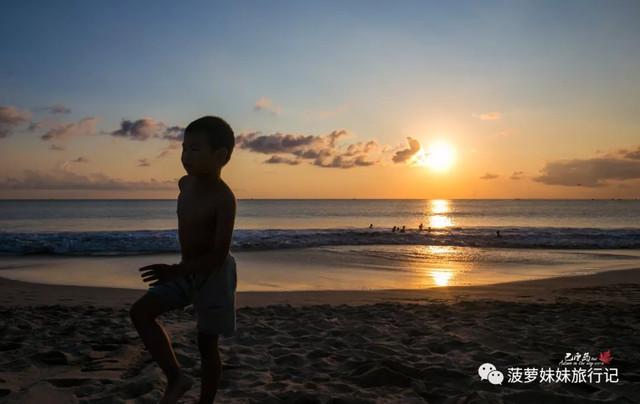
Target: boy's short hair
pixel 218 133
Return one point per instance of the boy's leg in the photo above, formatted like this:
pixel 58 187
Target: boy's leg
pixel 143 315
pixel 211 366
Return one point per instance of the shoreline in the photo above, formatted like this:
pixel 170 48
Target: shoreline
pixel 337 268
pixel 20 293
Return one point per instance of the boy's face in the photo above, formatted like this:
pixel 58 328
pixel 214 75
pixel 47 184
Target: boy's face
pixel 197 156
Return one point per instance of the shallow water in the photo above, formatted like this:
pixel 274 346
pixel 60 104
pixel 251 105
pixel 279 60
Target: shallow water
pixel 339 267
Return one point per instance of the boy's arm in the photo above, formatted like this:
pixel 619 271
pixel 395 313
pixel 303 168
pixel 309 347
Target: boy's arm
pixel 215 258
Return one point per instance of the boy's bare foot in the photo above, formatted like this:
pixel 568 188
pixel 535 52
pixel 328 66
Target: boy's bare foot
pixel 176 389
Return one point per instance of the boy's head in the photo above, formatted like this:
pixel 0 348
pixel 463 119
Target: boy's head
pixel 207 145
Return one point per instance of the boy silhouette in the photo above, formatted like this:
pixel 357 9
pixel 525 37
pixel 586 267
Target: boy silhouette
pixel 206 274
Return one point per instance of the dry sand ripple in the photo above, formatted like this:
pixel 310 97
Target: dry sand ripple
pixel 384 352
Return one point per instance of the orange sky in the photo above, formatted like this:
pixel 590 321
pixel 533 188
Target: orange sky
pixel 536 101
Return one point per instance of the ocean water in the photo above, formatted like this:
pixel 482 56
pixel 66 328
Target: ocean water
pixel 117 227
pixel 327 244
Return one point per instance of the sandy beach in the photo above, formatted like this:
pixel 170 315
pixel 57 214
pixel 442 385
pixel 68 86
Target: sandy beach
pixel 72 344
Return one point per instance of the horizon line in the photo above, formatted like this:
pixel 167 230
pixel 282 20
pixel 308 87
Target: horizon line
pixel 327 199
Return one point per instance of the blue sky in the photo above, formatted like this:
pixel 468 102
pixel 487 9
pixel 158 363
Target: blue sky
pixel 562 75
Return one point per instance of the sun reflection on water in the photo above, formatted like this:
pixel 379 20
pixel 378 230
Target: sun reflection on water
pixel 438 214
pixel 439 249
pixel 441 278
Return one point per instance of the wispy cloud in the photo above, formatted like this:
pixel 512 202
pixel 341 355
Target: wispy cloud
pixel 143 163
pixel 66 165
pixel 489 176
pixel 489 116
pixel 592 172
pixel 266 104
pixel 10 118
pixel 174 134
pixel 167 149
pixel 282 160
pixel 631 154
pixel 63 131
pixel 59 179
pixel 517 175
pixel 58 109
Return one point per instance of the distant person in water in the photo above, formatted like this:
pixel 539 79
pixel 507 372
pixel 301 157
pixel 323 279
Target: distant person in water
pixel 402 230
pixel 394 229
pixel 498 233
pixel 371 226
pixel 206 275
pixel 420 227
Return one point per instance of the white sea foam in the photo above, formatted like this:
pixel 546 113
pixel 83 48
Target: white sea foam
pixel 166 241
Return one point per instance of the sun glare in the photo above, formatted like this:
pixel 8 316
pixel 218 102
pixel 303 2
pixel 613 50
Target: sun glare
pixel 441 278
pixel 438 156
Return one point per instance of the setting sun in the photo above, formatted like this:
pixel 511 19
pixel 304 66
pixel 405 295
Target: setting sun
pixel 439 156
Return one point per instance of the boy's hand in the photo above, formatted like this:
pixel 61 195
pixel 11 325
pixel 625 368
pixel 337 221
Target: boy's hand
pixel 160 273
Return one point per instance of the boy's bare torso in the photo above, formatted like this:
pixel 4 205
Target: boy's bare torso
pixel 199 203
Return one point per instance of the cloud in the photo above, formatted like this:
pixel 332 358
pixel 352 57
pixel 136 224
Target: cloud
pixel 341 161
pixel 164 152
pixel 147 128
pixel 490 116
pixel 321 151
pixel 58 109
pixel 631 154
pixel 282 160
pixel 143 163
pixel 45 123
pixel 140 129
pixel 58 179
pixel 65 166
pixel 361 148
pixel 489 176
pixel 405 154
pixel 325 150
pixel 55 147
pixel 266 104
pixel 174 134
pixel 288 143
pixel 84 126
pixel 355 155
pixel 10 118
pixel 517 175
pixel 593 172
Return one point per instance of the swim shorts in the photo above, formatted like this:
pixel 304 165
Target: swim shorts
pixel 213 297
